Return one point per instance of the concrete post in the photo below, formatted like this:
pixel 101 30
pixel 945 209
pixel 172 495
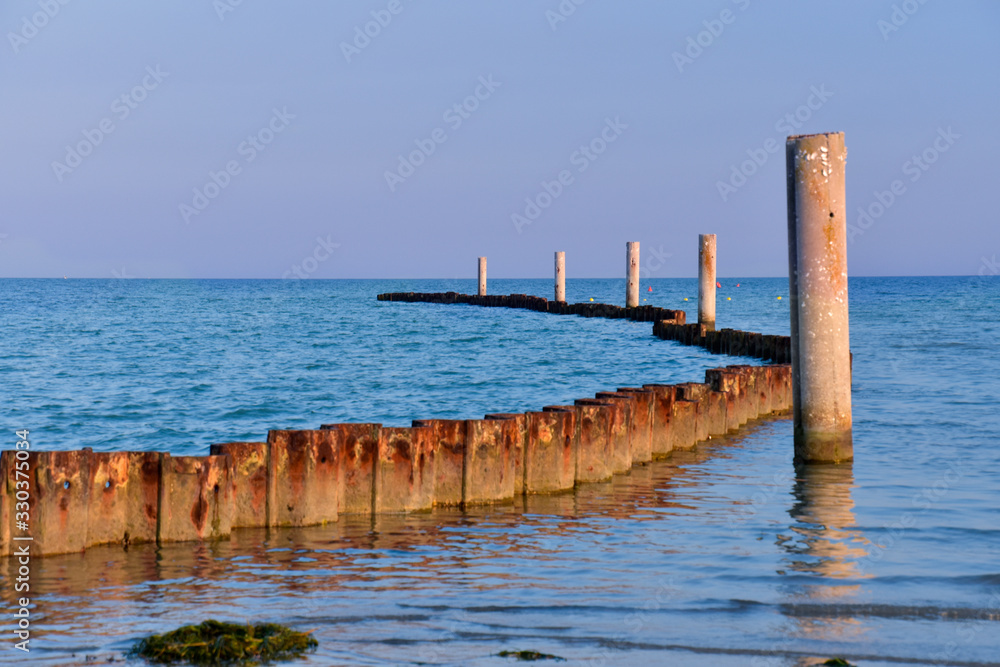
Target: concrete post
pixel 561 276
pixel 632 274
pixel 817 242
pixel 482 276
pixel 706 280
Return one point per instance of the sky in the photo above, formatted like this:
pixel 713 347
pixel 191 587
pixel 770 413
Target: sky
pixel 405 138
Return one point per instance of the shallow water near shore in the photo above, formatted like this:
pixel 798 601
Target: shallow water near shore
pixel 725 555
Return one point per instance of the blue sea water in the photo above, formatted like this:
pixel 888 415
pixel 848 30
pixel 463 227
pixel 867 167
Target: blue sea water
pixel 722 556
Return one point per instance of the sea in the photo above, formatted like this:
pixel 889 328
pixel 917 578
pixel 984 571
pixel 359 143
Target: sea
pixel 725 555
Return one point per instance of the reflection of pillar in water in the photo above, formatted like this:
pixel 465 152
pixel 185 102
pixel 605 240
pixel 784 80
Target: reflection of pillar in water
pixel 824 543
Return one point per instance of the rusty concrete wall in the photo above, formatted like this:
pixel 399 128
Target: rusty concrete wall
pixel 79 499
pixel 123 495
pixel 621 429
pixel 448 452
pixel 595 448
pixel 489 460
pixel 196 498
pixel 249 481
pixel 520 446
pixel 642 424
pixel 304 481
pixel 550 461
pixel 404 475
pixel 358 454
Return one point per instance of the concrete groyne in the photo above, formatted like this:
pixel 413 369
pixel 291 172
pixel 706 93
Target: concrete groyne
pixel 64 502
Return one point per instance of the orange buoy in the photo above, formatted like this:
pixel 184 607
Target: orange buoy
pixel 649 289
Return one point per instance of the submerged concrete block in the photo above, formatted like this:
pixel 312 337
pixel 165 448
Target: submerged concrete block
pixel 404 480
pixel 664 396
pixel 358 453
pixel 520 446
pixel 489 460
pixel 550 461
pixel 621 429
pixel 642 423
pixel 196 498
pixel 684 424
pixel 304 482
pixel 53 488
pixel 249 481
pixel 123 497
pixel 448 452
pixel 595 449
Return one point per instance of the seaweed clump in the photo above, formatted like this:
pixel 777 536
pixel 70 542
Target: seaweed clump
pixel 215 642
pixel 528 655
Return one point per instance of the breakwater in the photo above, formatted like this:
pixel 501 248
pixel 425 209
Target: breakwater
pixel 77 499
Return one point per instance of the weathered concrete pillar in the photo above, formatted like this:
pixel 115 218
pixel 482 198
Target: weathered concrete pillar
pixel 642 423
pixel 482 276
pixel 304 483
pixel 621 429
pixel 632 274
pixel 684 424
pixel 249 481
pixel 520 446
pixel 57 496
pixel 448 450
pixel 489 460
pixel 358 453
pixel 664 396
pixel 550 454
pixel 706 280
pixel 196 498
pixel 123 497
pixel 404 479
pixel 561 277
pixel 817 225
pixel 594 452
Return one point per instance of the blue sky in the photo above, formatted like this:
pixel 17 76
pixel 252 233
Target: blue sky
pixel 263 139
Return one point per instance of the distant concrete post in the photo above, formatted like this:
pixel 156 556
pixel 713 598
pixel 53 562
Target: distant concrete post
pixel 560 276
pixel 482 276
pixel 817 267
pixel 706 280
pixel 632 274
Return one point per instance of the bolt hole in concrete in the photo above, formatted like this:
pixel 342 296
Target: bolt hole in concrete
pixel 215 488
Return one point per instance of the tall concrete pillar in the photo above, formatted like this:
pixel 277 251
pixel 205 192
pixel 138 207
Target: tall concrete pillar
pixel 482 276
pixel 561 276
pixel 706 280
pixel 632 274
pixel 821 356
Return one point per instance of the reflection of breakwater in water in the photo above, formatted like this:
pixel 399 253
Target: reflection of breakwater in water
pixel 82 498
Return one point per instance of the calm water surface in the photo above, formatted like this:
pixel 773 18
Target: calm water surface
pixel 721 556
